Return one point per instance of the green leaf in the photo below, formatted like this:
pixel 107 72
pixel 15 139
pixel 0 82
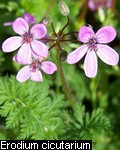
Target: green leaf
pixel 31 109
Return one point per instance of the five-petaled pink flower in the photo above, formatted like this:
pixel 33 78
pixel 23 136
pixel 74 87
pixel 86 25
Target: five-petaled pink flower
pixel 33 70
pixel 94 44
pixel 28 41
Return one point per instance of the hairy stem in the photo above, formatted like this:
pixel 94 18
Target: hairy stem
pixel 70 40
pixel 55 34
pixel 68 20
pixel 49 40
pixel 69 33
pixel 52 47
pixel 66 89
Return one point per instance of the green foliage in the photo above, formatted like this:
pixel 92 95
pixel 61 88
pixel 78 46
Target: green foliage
pixel 29 107
pixel 82 125
pixel 80 89
pixel 32 113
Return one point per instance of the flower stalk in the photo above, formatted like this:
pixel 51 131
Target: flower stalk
pixel 66 89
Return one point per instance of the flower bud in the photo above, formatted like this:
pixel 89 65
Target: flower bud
pixel 48 20
pixel 63 55
pixel 63 8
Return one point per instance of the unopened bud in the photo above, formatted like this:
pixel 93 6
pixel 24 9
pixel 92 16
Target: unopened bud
pixel 63 55
pixel 63 8
pixel 48 20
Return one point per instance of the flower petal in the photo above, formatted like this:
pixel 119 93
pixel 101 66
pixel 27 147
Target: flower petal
pixel 12 44
pixel 77 54
pixel 92 5
pixel 29 18
pixel 85 33
pixel 20 26
pixel 38 31
pixel 48 67
pixel 107 54
pixel 36 76
pixel 106 34
pixel 15 58
pixel 23 74
pixel 39 48
pixel 46 37
pixel 90 64
pixel 36 56
pixel 109 3
pixel 24 54
pixel 8 23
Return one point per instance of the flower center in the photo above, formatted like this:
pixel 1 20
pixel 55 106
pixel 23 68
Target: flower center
pixel 27 38
pixel 92 44
pixel 35 65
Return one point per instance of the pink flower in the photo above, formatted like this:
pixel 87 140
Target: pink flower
pixel 33 70
pixel 28 41
pixel 94 44
pixel 95 4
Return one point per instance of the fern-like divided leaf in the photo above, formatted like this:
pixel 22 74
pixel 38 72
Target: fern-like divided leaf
pixel 30 109
pixel 82 125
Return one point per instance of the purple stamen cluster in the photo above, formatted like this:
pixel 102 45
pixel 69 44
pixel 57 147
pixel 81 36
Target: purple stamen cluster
pixel 92 44
pixel 27 38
